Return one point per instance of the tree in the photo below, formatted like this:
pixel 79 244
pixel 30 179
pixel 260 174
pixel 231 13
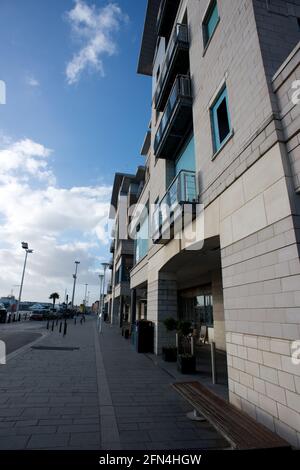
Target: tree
pixel 54 297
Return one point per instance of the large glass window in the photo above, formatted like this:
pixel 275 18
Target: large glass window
pixel 221 124
pixel 142 239
pixel 186 158
pixel 196 306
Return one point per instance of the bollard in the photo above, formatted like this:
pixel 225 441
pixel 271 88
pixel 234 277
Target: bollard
pixel 48 325
pixel 74 320
pixel 19 319
pixel 52 327
pixel 9 318
pixel 13 318
pixel 213 362
pixel 65 328
pixel 60 326
pixel 80 321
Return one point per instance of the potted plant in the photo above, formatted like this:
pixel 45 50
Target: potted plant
pixel 170 353
pixel 186 362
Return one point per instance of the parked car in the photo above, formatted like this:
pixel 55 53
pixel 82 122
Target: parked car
pixel 37 315
pixel 3 314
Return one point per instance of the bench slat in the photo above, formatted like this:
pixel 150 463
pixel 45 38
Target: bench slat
pixel 240 429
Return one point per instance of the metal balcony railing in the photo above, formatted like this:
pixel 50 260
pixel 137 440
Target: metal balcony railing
pixel 179 39
pixel 181 191
pixel 181 91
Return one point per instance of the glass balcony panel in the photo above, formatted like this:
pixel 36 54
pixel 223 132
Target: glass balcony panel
pixel 176 61
pixel 181 191
pixel 181 93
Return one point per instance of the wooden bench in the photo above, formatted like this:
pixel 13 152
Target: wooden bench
pixel 238 428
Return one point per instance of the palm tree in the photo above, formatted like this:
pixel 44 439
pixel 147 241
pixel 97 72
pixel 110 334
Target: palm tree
pixel 54 297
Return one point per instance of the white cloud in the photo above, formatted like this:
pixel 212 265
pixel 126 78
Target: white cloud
pixel 32 81
pixel 60 224
pixel 95 29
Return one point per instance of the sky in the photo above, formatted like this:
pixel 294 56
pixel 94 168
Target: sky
pixel 76 112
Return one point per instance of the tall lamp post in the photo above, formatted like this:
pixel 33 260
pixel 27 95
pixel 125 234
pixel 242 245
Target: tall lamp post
pixel 85 298
pixel 27 251
pixel 74 283
pixel 105 266
pixel 101 277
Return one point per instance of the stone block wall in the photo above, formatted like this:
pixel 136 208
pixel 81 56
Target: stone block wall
pixel 261 277
pixel 162 304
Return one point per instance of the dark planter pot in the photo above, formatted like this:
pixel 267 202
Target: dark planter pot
pixel 186 364
pixel 126 333
pixel 169 354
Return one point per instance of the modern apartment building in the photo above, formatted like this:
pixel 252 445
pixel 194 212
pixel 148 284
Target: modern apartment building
pixel 125 193
pixel 224 133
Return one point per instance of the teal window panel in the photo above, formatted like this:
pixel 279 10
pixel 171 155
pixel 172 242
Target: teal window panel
pixel 211 21
pixel 186 159
pixel 221 123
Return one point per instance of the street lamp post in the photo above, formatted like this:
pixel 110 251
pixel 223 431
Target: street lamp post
pixel 74 283
pixel 101 277
pixel 105 266
pixel 84 302
pixel 27 251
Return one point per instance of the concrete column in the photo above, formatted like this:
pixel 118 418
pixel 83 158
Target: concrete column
pixel 162 304
pixel 121 311
pixel 218 310
pixel 115 311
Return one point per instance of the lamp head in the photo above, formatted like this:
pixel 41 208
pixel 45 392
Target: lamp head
pixel 25 245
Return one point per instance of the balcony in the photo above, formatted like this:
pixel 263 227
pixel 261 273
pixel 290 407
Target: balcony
pixel 170 209
pixel 112 246
pixel 111 263
pixel 109 289
pixel 177 119
pixel 176 62
pixel 166 16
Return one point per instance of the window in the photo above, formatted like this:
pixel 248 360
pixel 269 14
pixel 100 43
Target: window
pixel 196 306
pixel 142 239
pixel 186 158
pixel 210 22
pixel 220 120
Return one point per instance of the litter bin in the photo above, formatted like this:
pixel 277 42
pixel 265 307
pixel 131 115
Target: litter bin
pixel 144 336
pixel 3 315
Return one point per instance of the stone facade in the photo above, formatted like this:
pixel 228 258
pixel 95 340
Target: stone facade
pixel 250 193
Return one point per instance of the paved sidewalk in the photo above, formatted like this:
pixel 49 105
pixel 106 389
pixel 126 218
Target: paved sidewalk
pixel 148 412
pixel 48 398
pixel 101 396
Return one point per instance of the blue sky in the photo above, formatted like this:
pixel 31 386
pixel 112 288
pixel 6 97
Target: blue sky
pixel 72 89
